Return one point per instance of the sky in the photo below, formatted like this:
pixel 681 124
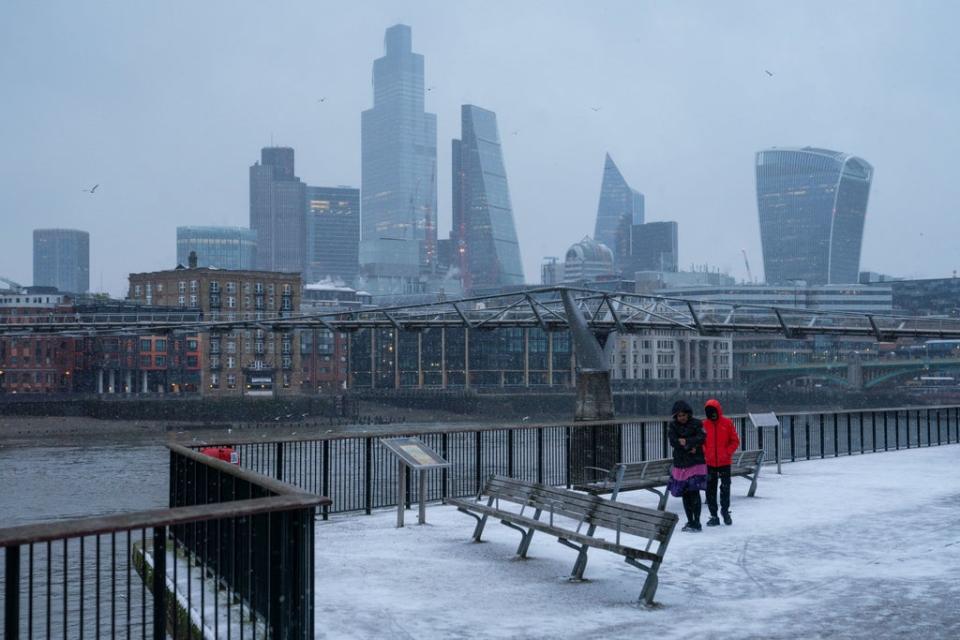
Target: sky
pixel 166 105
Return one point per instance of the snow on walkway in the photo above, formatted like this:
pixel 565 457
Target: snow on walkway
pixel 852 547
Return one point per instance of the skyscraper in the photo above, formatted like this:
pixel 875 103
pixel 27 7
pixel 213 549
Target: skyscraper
pixel 483 225
pixel 61 259
pixel 333 233
pixel 619 208
pixel 398 172
pixel 812 204
pixel 277 199
pixel 653 247
pixel 220 247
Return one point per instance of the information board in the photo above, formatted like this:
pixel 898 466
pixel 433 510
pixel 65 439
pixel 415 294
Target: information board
pixel 764 419
pixel 414 453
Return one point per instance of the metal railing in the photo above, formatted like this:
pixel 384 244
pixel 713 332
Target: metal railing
pixel 359 474
pixel 232 557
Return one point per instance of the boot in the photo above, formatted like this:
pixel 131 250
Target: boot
pixel 713 521
pixel 727 520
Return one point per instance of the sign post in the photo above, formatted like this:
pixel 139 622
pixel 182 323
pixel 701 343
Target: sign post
pixel 413 454
pixel 769 421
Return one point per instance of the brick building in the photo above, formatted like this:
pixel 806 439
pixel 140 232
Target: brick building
pixel 234 361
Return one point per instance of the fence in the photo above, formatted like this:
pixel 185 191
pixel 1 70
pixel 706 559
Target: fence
pixel 232 557
pixel 359 474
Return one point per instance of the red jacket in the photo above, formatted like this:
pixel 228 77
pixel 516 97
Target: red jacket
pixel 722 439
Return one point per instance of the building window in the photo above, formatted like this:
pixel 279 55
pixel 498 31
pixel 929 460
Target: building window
pixel 231 362
pixel 182 286
pixel 192 345
pixel 137 290
pixel 215 287
pixel 287 290
pixel 161 361
pixel 144 361
pixel 182 301
pixel 214 380
pixel 231 287
pixel 231 381
pixel 161 345
pixel 144 345
pixel 231 346
pixel 231 302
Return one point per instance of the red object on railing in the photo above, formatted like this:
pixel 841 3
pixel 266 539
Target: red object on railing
pixel 227 454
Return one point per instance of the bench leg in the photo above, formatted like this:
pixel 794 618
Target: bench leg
pixel 581 563
pixel 753 483
pixel 527 537
pixel 650 584
pixel 478 530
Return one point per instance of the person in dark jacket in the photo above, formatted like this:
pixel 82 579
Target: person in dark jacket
pixel 721 443
pixel 688 476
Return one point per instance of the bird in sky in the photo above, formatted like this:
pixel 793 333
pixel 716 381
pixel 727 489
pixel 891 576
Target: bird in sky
pixel 324 99
pixel 768 72
pixel 595 108
pixel 430 88
pixel 91 189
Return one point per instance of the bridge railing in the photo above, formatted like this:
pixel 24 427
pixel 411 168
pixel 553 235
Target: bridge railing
pixel 232 557
pixel 359 474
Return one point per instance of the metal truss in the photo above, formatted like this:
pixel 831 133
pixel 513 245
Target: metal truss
pixel 604 312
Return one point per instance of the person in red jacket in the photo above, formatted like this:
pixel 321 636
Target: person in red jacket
pixel 718 449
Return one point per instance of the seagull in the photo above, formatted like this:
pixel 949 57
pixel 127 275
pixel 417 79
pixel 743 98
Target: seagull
pixel 324 99
pixel 91 189
pixel 595 108
pixel 769 73
pixel 524 418
pixel 430 88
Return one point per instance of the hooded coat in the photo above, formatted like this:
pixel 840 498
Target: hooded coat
pixel 691 453
pixel 722 439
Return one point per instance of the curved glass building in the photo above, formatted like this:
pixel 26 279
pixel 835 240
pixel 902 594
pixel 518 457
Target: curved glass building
pixel 812 205
pixel 220 247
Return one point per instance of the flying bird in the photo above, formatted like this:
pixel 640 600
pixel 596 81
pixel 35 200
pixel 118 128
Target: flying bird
pixel 91 189
pixel 768 72
pixel 595 108
pixel 324 99
pixel 430 88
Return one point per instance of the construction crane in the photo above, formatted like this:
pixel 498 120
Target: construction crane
pixel 747 265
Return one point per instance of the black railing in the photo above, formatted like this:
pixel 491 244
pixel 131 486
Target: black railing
pixel 359 474
pixel 233 540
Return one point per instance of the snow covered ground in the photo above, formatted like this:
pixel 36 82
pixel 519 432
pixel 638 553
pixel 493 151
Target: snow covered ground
pixel 853 547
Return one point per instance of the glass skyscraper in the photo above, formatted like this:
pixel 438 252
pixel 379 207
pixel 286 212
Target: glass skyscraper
pixel 620 207
pixel 277 199
pixel 812 204
pixel 653 247
pixel 398 170
pixel 483 226
pixel 333 233
pixel 220 247
pixel 61 259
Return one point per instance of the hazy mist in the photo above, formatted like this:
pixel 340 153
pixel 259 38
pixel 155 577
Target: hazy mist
pixel 166 105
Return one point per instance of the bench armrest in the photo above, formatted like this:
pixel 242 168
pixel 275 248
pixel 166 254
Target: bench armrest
pixel 605 472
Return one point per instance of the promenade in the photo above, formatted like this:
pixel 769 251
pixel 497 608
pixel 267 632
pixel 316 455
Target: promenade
pixel 864 546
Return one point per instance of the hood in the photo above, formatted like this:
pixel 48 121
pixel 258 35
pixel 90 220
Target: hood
pixel 712 402
pixel 681 407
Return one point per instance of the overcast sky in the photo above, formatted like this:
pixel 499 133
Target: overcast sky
pixel 167 104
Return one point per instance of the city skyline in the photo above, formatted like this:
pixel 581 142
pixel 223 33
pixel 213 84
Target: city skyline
pixel 710 115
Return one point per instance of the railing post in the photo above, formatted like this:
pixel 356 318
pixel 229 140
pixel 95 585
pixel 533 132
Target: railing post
pixel 160 583
pixel 278 471
pixel 325 489
pixel 368 475
pixel 478 459
pixel 793 440
pixel 510 452
pixel 539 454
pixel 643 440
pixel 11 603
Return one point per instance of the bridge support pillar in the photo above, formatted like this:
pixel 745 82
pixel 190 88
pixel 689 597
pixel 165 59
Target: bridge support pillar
pixel 597 444
pixel 855 375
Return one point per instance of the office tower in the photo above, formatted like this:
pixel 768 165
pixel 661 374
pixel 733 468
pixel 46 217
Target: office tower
pixel 653 247
pixel 333 233
pixel 398 171
pixel 277 199
pixel 812 204
pixel 220 247
pixel 482 214
pixel 61 259
pixel 619 208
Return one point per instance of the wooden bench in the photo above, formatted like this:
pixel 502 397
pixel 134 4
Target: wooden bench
pixel 574 519
pixel 651 474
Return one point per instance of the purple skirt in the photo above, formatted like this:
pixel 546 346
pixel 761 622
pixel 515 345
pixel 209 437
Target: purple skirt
pixel 683 479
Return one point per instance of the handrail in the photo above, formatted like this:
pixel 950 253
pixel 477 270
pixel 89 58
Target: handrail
pixel 79 527
pixel 277 487
pixel 414 429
